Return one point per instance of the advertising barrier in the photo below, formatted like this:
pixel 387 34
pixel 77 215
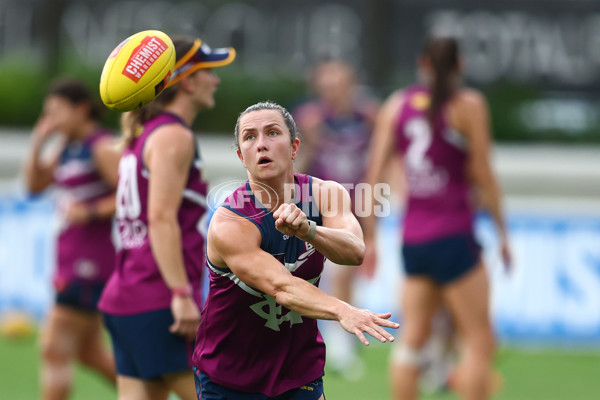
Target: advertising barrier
pixel 551 294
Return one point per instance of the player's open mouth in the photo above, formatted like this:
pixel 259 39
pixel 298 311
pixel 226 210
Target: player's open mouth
pixel 264 161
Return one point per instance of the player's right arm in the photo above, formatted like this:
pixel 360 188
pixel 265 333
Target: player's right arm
pixel 234 243
pixel 39 173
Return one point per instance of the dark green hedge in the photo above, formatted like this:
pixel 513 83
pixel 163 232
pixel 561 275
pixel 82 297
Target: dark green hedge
pixel 24 87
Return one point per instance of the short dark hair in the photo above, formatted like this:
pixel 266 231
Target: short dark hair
pixel 76 92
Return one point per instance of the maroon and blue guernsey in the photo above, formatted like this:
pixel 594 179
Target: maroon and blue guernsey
pixel 341 153
pixel 136 285
pixel 85 252
pixel 435 164
pixel 246 340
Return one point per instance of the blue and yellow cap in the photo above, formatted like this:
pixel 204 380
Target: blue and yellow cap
pixel 198 57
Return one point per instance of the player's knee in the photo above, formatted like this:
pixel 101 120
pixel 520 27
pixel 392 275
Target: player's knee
pixel 489 345
pixel 53 354
pixel 87 358
pixel 483 343
pixel 407 355
pixel 415 336
pixel 58 351
pixel 57 374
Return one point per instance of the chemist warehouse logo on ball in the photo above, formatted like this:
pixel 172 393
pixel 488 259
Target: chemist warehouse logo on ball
pixel 143 56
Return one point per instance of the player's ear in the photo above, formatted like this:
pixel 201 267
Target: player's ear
pixel 241 157
pixel 295 148
pixel 187 84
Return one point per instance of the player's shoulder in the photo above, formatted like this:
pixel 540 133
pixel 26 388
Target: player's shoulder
pixel 175 130
pixel 175 136
pixel 321 184
pixel 391 107
pixel 323 189
pixel 228 228
pixel 396 95
pixel 470 97
pixel 394 101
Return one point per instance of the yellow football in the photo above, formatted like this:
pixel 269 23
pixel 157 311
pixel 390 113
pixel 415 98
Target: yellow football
pixel 137 70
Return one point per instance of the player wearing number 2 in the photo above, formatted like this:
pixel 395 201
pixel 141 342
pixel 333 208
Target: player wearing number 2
pixel 151 302
pixel 258 338
pixel 442 131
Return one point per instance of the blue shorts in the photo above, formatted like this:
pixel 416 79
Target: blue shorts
pixel 444 260
pixel 208 390
pixel 143 346
pixel 80 296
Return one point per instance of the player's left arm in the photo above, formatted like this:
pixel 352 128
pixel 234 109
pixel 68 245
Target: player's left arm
pixel 106 159
pixel 340 238
pixel 478 133
pixel 168 154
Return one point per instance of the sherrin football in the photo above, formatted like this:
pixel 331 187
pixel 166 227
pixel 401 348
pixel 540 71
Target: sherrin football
pixel 137 70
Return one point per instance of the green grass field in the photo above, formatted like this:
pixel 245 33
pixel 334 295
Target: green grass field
pixel 528 375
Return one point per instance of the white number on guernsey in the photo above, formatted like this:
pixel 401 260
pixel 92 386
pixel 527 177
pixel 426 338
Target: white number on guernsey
pixel 133 231
pixel 128 198
pixel 424 177
pixel 419 133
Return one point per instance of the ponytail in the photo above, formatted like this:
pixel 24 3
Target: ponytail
pixel 131 122
pixel 443 55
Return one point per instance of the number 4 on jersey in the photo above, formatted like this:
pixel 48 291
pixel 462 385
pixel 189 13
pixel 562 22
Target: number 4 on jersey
pixel 128 198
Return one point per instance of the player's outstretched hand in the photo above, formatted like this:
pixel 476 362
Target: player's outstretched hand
pixel 290 220
pixel 186 316
pixel 358 322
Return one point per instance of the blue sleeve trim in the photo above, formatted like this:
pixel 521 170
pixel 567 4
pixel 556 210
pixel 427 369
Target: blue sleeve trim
pixel 213 266
pixel 242 215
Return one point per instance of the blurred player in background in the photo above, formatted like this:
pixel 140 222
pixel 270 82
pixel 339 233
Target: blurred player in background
pixel 258 338
pixel 336 129
pixel 443 133
pixel 84 171
pixel 151 302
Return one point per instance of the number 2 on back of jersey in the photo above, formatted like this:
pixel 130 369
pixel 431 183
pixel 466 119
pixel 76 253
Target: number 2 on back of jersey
pixel 419 134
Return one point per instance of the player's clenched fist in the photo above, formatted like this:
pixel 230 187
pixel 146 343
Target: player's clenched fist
pixel 291 221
